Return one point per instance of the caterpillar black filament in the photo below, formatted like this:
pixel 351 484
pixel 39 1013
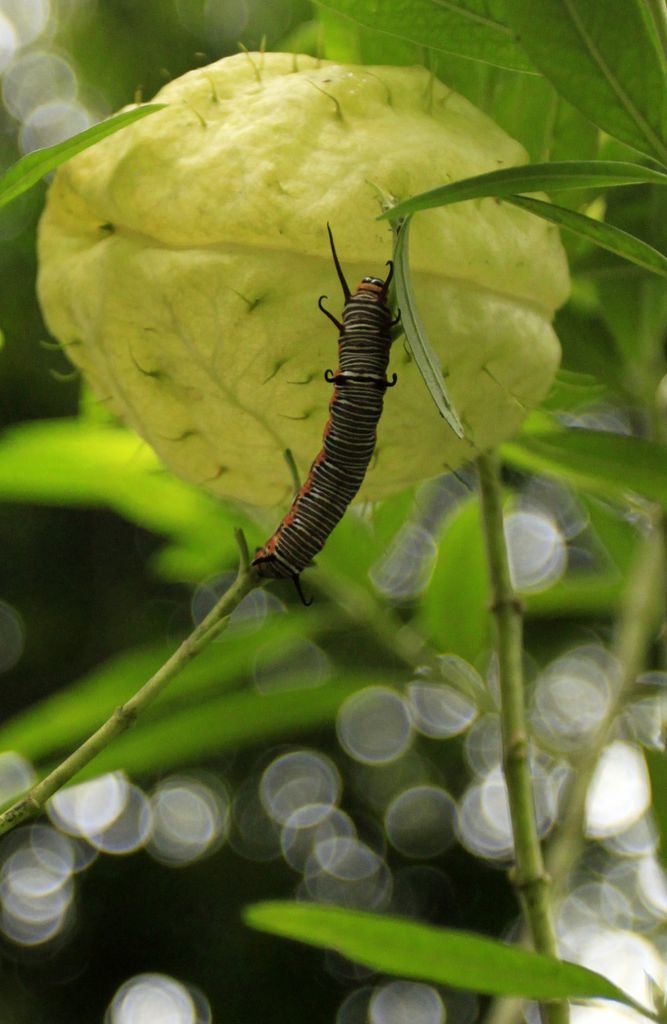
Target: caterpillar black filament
pixel 337 472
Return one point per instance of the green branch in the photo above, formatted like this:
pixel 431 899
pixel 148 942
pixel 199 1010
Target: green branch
pixel 637 626
pixel 126 715
pixel 530 878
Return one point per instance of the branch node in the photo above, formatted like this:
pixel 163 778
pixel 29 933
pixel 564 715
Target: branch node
pixel 125 716
pixel 514 603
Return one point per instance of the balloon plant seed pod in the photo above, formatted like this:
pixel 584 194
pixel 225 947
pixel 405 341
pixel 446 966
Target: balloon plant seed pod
pixel 181 262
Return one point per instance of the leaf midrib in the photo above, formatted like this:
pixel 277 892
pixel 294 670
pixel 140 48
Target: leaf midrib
pixel 622 95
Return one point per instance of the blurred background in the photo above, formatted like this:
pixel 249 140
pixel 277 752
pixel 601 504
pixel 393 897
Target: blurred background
pixel 349 752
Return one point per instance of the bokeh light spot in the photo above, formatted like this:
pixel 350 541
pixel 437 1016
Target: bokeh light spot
pixel 406 569
pixel 344 871
pixel 8 41
pixel 16 775
pixel 190 820
pixel 536 550
pixel 52 123
pixel 630 961
pixel 420 822
pixel 28 17
pixel 89 808
pixel 484 821
pixel 406 1002
pixel 374 725
pixel 440 711
pixel 354 1008
pixel 36 887
pixel 301 779
pixel 156 999
pixel 572 696
pixel 36 79
pixel 310 825
pixel 619 792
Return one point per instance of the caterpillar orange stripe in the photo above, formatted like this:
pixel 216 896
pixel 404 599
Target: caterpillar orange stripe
pixel 337 472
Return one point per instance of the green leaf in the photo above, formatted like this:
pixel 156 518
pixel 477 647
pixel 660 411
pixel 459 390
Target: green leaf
pixel 547 177
pixel 609 464
pixel 605 235
pixel 73 462
pixel 30 168
pixel 588 347
pixel 601 56
pixel 471 28
pixel 454 611
pixel 415 335
pixel 230 722
pixel 582 594
pixel 657 766
pixel 571 390
pixel 532 112
pixel 411 950
pixel 63 719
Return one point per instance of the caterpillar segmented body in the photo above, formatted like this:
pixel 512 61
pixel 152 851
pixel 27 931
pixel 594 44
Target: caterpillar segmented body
pixel 337 472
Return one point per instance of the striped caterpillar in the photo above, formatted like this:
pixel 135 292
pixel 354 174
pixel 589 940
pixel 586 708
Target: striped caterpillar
pixel 338 470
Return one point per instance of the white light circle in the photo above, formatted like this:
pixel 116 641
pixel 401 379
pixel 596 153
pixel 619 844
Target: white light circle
pixel 190 819
pixel 301 779
pixel 51 123
pixel 154 999
pixel 536 550
pixel 89 808
pixel 16 775
pixel 38 78
pixel 406 1002
pixel 374 725
pixel 439 711
pixel 620 791
pixel 29 18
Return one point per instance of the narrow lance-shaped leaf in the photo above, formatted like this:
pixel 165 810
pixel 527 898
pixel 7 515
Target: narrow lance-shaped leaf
pixel 412 950
pixel 415 334
pixel 602 56
pixel 27 171
pixel 471 28
pixel 561 176
pixel 609 464
pixel 598 232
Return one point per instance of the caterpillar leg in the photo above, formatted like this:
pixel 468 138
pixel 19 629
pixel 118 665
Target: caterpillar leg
pixel 297 584
pixel 326 312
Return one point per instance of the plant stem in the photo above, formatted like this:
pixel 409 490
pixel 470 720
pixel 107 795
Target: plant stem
pixel 530 878
pixel 637 625
pixel 126 715
pixel 640 616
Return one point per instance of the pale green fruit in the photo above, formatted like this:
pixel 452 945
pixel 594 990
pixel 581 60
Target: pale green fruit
pixel 181 261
